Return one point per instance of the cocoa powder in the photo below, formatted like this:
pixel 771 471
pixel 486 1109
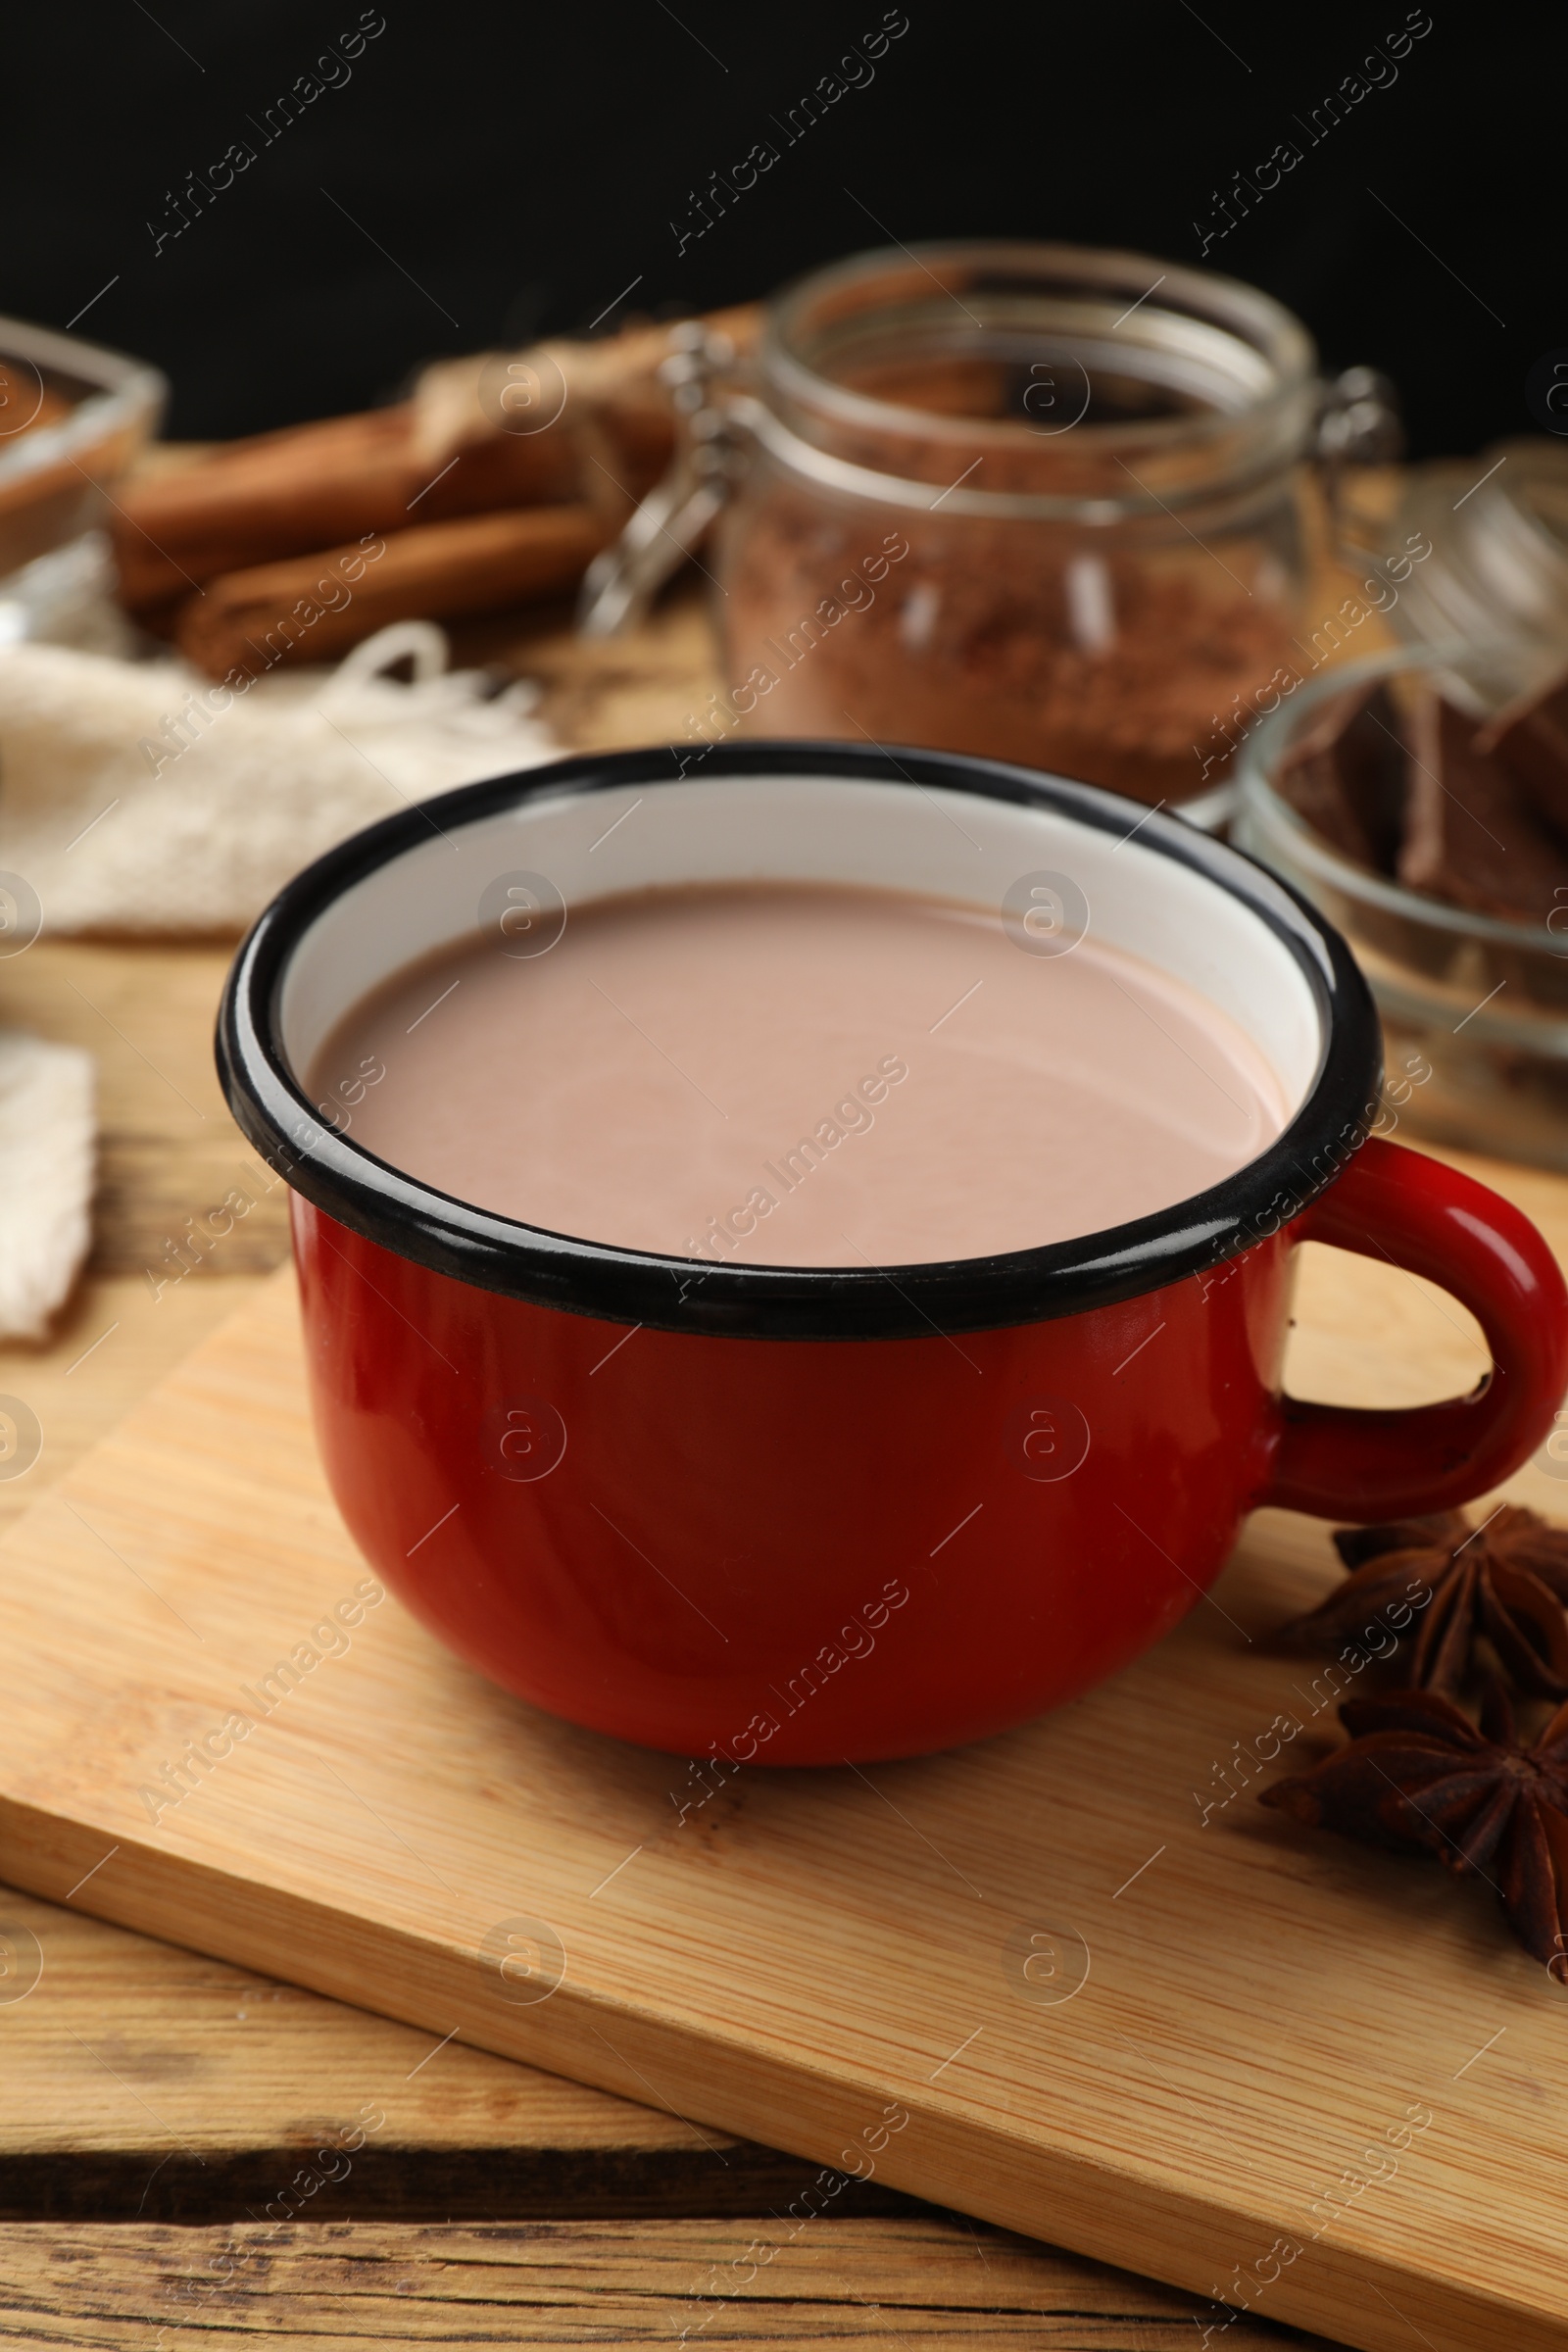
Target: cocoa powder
pixel 1008 639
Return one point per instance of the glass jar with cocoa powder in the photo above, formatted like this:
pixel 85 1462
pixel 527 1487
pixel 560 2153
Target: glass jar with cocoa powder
pixel 1034 502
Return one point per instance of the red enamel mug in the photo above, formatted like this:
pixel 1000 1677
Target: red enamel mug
pixel 798 1515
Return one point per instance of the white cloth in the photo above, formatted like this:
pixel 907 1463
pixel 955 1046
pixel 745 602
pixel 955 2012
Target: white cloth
pixel 46 1174
pixel 136 796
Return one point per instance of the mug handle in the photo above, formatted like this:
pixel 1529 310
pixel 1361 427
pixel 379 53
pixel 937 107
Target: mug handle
pixel 1342 1462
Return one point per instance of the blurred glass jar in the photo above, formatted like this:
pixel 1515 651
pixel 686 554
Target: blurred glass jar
pixel 72 417
pixel 1498 526
pixel 1474 1007
pixel 1034 502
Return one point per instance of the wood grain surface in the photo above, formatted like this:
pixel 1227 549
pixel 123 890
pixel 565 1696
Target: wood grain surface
pixel 825 1946
pixel 872 2285
pixel 142 2083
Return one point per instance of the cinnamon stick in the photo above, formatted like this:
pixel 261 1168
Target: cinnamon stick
pixel 458 447
pixel 315 486
pixel 314 607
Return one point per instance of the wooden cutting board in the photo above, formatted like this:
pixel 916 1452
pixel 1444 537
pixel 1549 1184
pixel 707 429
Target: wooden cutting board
pixel 1030 1979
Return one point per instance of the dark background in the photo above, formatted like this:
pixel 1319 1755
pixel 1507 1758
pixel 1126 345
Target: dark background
pixel 510 171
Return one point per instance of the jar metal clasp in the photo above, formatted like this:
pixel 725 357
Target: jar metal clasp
pixel 1358 424
pixel 671 522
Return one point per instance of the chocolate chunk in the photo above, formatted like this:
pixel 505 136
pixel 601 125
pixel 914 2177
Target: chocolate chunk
pixel 1346 774
pixel 1530 737
pixel 1471 834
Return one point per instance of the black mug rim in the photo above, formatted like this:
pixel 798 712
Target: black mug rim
pixel 630 1287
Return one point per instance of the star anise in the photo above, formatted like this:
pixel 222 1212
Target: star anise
pixel 1418 1776
pixel 1507 1580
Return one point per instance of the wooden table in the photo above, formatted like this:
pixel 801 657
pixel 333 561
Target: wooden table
pixel 155 2106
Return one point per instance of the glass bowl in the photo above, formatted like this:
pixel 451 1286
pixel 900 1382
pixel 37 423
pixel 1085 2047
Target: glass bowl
pixel 1474 1007
pixel 72 419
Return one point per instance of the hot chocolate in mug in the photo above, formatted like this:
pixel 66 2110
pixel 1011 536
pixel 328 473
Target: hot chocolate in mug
pixel 796 1442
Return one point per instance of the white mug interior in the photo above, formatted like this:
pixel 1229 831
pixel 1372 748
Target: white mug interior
pixel 811 828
